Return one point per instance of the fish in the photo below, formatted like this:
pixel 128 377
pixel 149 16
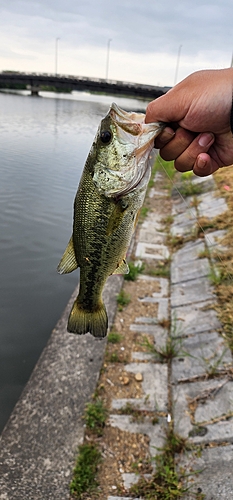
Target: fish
pixel 110 194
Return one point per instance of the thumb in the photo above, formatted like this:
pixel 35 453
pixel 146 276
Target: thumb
pixel 167 108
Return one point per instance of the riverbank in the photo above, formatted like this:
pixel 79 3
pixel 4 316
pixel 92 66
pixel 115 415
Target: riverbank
pixel 169 375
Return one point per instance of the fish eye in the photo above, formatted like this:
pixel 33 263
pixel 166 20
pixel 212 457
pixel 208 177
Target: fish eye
pixel 105 136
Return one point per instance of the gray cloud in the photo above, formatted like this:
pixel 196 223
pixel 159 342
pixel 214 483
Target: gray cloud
pixel 134 25
pixel 145 37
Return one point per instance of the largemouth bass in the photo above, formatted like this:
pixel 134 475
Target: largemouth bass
pixel 110 194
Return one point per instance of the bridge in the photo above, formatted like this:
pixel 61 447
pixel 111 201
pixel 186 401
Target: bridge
pixel 38 81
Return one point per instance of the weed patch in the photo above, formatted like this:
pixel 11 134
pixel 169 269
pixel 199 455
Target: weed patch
pixel 204 224
pixel 204 254
pixel 170 350
pixel 215 276
pixel 134 270
pixel 175 242
pixel 143 212
pixel 165 166
pixel 212 365
pixel 95 416
pixel 114 337
pixel 114 357
pixel 136 414
pixel 188 188
pixel 162 269
pixel 222 278
pixel 123 299
pixel 84 474
pixel 167 483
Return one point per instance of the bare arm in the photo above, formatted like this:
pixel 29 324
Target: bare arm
pixel 198 110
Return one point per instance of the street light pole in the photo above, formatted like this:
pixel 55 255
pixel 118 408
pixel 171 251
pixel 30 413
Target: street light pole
pixel 177 64
pixel 56 54
pixel 107 62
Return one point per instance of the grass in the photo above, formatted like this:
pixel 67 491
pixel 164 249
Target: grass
pixel 143 212
pixel 114 338
pixel 165 166
pixel 187 175
pixel 204 254
pixel 213 367
pixel 84 474
pixel 167 483
pixel 215 276
pixel 161 269
pixel 173 345
pixel 222 278
pixel 170 350
pixel 175 242
pixel 167 221
pixel 114 357
pixel 203 224
pixel 188 188
pixel 136 414
pixel 134 270
pixel 95 416
pixel 123 299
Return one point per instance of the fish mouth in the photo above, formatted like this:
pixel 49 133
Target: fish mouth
pixel 124 161
pixel 142 136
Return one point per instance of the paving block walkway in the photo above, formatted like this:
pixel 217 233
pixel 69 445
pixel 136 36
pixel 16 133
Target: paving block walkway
pixel 199 379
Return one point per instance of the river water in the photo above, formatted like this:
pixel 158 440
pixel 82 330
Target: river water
pixel 44 142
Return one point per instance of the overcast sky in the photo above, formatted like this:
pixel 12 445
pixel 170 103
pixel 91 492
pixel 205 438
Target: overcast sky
pixel 146 37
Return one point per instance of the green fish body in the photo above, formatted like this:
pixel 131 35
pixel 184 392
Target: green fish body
pixel 110 194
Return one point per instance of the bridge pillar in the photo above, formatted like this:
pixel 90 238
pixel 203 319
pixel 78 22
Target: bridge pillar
pixel 34 90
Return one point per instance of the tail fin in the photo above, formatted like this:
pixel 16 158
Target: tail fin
pixel 82 321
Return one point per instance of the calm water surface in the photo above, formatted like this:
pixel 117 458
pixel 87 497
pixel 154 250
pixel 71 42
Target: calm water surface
pixel 43 146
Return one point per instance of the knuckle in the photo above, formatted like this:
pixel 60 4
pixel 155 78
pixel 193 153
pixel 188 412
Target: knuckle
pixel 166 154
pixel 182 166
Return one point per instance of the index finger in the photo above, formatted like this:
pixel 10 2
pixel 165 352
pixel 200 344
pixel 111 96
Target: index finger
pixel 166 108
pixel 164 137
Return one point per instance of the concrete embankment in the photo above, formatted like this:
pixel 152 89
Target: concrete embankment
pixel 39 443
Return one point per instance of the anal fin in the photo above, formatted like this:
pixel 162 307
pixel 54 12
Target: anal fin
pixel 122 268
pixel 68 262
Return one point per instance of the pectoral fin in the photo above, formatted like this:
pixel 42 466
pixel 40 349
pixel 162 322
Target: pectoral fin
pixel 68 262
pixel 117 215
pixel 123 268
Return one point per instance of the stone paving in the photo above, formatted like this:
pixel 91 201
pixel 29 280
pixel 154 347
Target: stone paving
pixel 202 406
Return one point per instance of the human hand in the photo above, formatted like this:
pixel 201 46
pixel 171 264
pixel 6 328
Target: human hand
pixel 198 110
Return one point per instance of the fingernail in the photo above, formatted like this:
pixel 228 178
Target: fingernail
pixel 166 135
pixel 201 163
pixel 205 139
